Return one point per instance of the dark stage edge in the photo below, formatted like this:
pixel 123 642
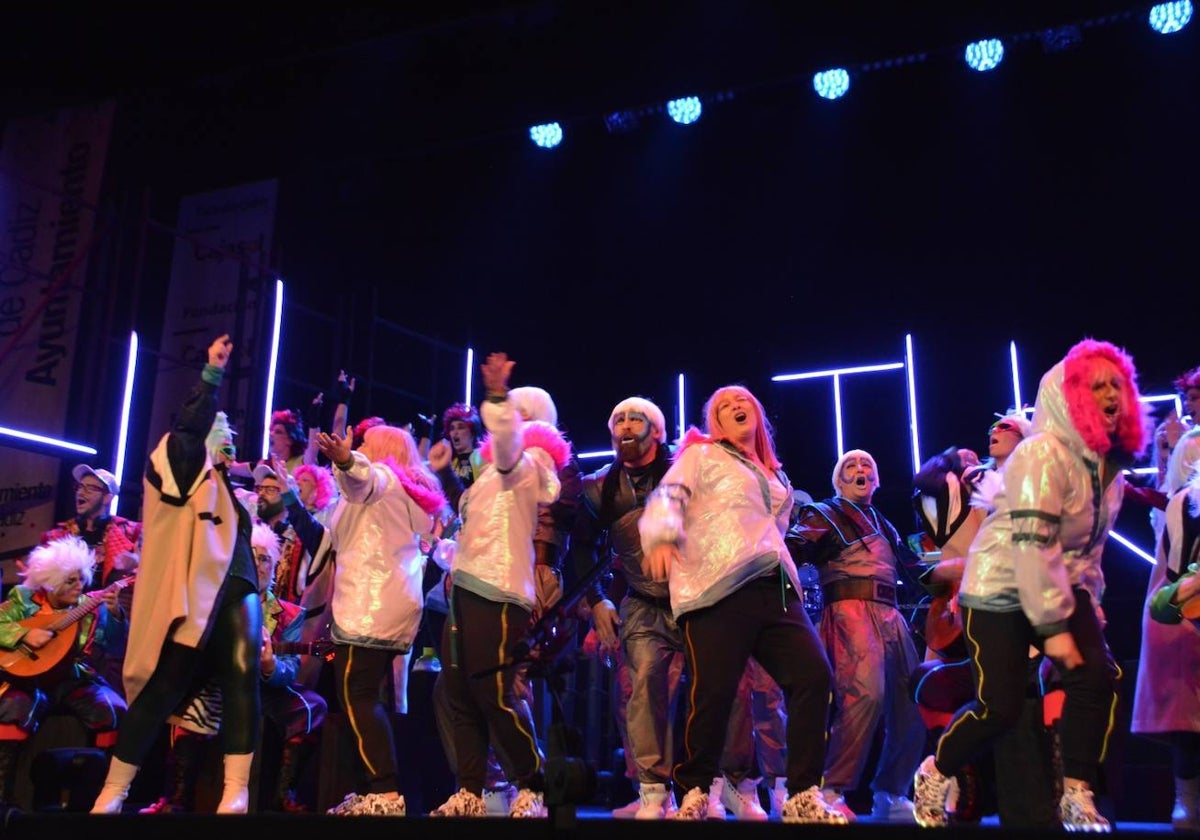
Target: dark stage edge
pixel 589 824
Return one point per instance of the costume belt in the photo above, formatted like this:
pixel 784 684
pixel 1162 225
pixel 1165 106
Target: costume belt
pixel 860 589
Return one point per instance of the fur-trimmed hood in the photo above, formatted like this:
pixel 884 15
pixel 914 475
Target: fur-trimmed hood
pixel 537 435
pixel 1066 409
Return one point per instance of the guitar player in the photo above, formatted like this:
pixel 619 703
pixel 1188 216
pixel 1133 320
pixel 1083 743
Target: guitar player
pixel 53 669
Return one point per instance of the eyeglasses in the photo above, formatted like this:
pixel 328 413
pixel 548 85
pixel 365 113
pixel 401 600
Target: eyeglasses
pixel 91 489
pixel 262 557
pixel 266 490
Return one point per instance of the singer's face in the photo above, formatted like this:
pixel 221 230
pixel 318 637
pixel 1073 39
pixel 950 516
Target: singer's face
pixel 461 438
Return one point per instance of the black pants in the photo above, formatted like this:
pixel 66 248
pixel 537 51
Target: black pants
pixel 481 702
pixel 767 621
pixel 231 654
pixel 359 673
pixel 999 647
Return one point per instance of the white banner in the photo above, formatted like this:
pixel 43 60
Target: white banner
pixel 51 168
pixel 218 282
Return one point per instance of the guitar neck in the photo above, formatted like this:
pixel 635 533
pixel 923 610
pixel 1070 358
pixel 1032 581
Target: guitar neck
pixel 88 605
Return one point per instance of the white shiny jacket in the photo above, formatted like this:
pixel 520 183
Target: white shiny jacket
pixel 1052 517
pixel 493 555
pixel 376 529
pixel 727 518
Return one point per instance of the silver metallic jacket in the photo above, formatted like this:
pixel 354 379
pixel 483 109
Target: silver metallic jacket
pixel 1050 523
pixel 376 529
pixel 728 520
pixel 493 556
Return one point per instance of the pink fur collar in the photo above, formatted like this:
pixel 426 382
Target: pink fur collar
pixel 537 435
pixel 428 499
pixel 692 437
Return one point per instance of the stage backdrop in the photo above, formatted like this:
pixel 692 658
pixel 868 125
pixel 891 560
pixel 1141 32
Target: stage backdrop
pixel 51 167
pixel 219 284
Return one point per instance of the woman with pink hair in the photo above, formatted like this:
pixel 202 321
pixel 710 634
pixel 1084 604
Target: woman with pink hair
pixel 714 529
pixel 1033 577
pixel 389 501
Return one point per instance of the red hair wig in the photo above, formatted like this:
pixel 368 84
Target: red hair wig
pixel 360 431
pixel 1188 380
pixel 1083 365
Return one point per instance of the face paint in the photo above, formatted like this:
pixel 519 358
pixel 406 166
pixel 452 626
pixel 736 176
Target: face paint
pixel 632 436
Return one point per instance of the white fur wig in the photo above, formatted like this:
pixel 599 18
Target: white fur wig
pixel 643 406
pixel 534 403
pixel 837 470
pixel 50 564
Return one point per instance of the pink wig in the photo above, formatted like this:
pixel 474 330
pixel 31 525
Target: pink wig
pixel 465 414
pixel 764 447
pixel 322 478
pixel 1188 380
pixel 1081 367
pixel 360 431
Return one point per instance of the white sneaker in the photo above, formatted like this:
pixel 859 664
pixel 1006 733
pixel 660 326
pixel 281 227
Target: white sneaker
pixel 836 801
pixel 1077 810
pixel 889 807
pixel 528 805
pixel 930 791
pixel 716 797
pixel 369 805
pixel 809 806
pixel 652 801
pixel 694 805
pixel 498 801
pixel 778 795
pixel 461 804
pixel 627 812
pixel 741 800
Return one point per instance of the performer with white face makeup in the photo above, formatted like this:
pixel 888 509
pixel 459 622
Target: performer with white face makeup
pixel 1033 576
pixel 859 554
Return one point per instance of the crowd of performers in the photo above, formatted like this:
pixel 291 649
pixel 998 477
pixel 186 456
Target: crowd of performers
pixel 352 543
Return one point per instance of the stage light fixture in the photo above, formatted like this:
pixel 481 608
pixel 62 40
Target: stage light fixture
pixel 1168 18
pixel 546 135
pixel 685 111
pixel 1061 38
pixel 621 122
pixel 984 55
pixel 831 84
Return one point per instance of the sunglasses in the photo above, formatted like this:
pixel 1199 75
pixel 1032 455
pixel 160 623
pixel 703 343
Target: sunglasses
pixel 1004 426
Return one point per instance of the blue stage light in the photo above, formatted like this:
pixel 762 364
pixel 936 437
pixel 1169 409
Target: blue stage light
pixel 685 111
pixel 1166 18
pixel 984 55
pixel 547 135
pixel 831 84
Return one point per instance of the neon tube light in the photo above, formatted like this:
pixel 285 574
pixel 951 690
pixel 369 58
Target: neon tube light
pixel 470 370
pixel 816 374
pixel 126 403
pixel 47 441
pixel 271 368
pixel 1149 558
pixel 681 416
pixel 911 381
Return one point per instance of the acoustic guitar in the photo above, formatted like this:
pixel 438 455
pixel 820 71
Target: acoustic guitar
pixel 24 661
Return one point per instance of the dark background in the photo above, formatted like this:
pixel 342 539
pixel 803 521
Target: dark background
pixel 1049 200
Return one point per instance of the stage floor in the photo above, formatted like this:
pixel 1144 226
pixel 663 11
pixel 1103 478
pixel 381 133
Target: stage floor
pixel 589 824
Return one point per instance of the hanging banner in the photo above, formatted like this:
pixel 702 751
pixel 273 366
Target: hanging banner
pixel 219 284
pixel 51 167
